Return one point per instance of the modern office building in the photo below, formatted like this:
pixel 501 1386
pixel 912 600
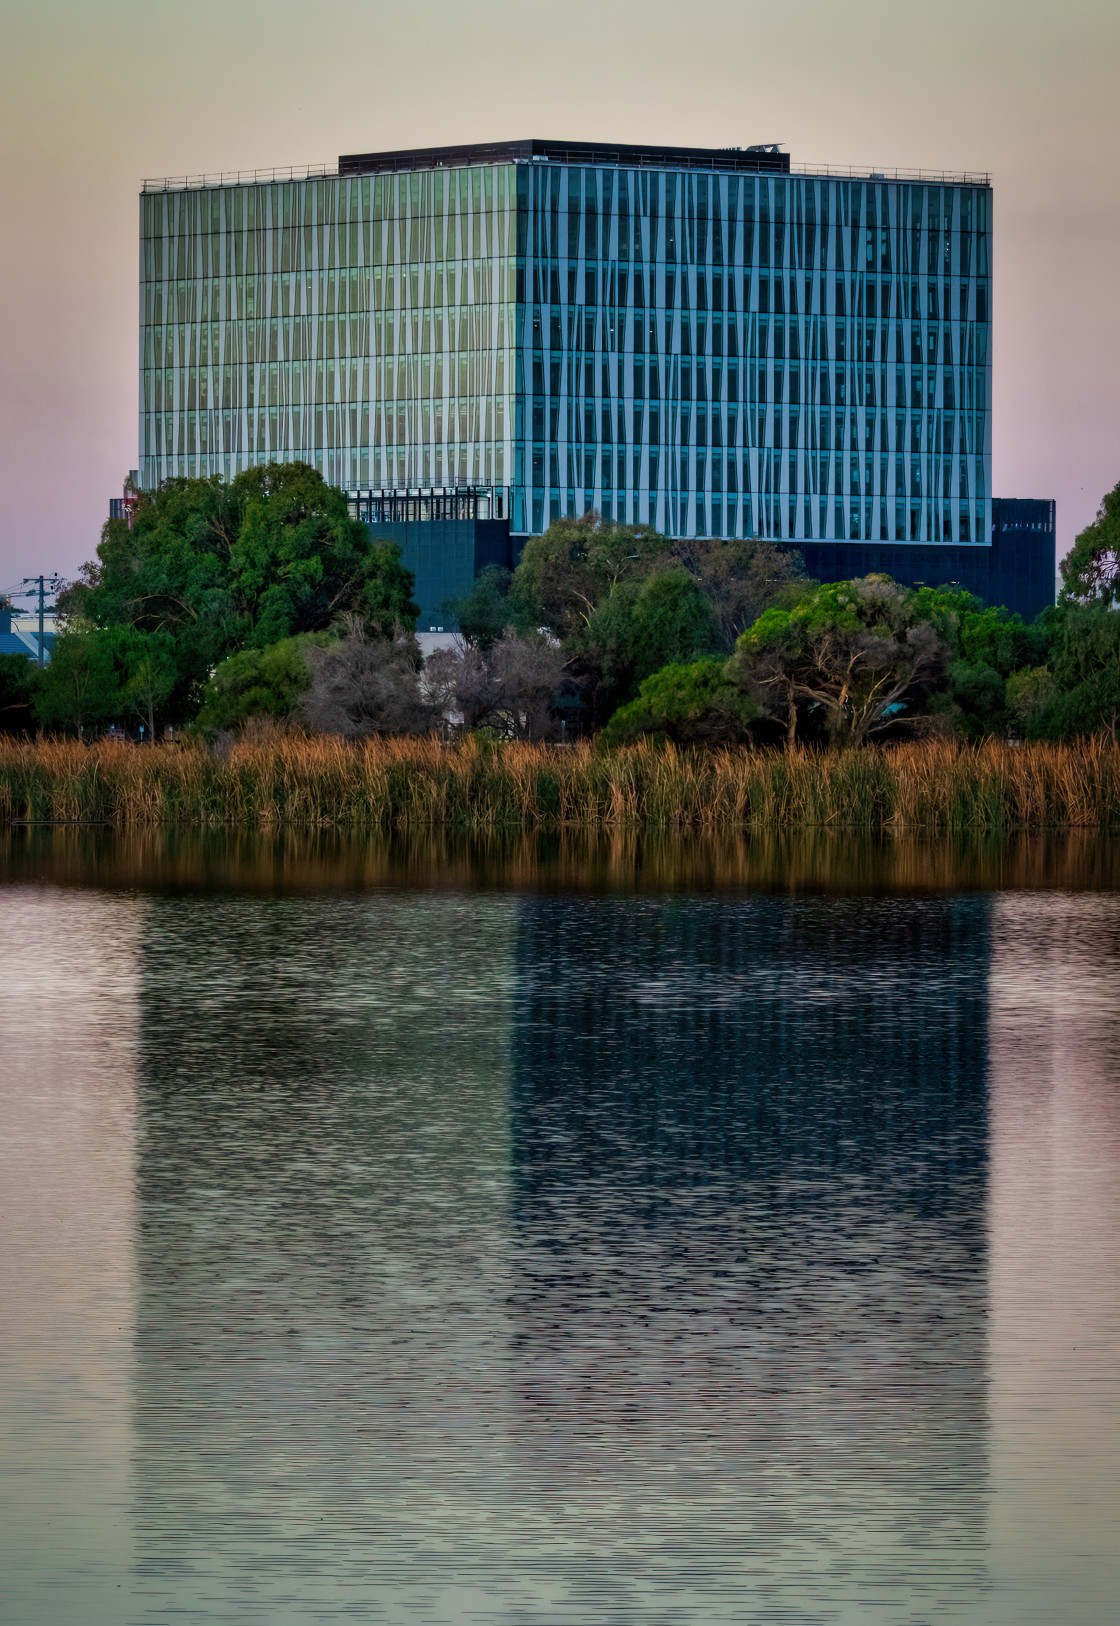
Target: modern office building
pixel 707 341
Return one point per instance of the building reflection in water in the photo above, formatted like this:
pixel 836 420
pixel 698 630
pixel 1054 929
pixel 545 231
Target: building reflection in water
pixel 575 1259
pixel 324 1184
pixel 750 1218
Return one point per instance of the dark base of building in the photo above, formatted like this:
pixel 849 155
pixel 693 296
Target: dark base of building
pixel 445 556
pixel 1016 570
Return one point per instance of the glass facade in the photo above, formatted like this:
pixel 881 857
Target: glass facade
pixel 366 325
pixel 800 357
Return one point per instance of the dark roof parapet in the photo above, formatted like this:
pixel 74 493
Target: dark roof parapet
pixel 755 160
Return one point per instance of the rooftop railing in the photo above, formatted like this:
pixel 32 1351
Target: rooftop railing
pixel 239 177
pixel 326 171
pixel 861 172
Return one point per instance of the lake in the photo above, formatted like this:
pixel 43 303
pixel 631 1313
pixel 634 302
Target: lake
pixel 535 1233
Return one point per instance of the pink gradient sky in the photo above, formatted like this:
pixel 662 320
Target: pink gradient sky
pixel 94 97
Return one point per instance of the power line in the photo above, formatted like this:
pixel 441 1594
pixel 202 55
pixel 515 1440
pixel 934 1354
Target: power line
pixel 39 587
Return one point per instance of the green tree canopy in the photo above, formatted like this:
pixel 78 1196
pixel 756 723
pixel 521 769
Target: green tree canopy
pixel 859 655
pixel 694 703
pixel 222 567
pixel 1091 570
pixel 1078 692
pixel 18 680
pixel 625 601
pixel 986 644
pixel 100 675
pixel 485 612
pixel 259 682
pixel 565 574
pixel 741 579
pixel 637 629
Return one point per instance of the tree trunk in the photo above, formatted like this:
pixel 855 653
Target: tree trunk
pixel 791 724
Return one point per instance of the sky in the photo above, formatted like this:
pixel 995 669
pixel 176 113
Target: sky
pixel 95 97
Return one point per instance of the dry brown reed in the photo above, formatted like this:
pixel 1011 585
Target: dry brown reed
pixel 288 779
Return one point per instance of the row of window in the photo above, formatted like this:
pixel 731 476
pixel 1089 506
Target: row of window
pixel 778 518
pixel 562 188
pixel 404 423
pixel 352 291
pixel 581 336
pixel 689 217
pixel 428 246
pixel 767 469
pixel 777 515
pixel 485 376
pixel 479 189
pixel 215 447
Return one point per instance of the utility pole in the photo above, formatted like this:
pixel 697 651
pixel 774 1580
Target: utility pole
pixel 40 586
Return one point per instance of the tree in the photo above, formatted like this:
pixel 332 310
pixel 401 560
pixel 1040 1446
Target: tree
pixel 986 643
pixel 1091 570
pixel 563 575
pixel 18 677
pixel 856 654
pixel 363 685
pixel 485 612
pixel 515 687
pixel 259 682
pixel 566 574
pixel 635 630
pixel 1085 665
pixel 689 704
pixel 223 567
pixel 626 601
pixel 741 579
pixel 82 685
pixel 150 673
pixel 1031 694
pixel 100 675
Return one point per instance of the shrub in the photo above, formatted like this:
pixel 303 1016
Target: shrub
pixel 694 703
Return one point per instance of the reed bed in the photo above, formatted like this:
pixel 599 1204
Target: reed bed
pixel 286 779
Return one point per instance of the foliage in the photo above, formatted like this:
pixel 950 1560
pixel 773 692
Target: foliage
pixel 741 579
pixel 259 682
pixel 100 675
pixel 514 688
pixel 987 644
pixel 18 678
pixel 626 601
pixel 224 567
pixel 565 574
pixel 1091 570
pixel 363 685
pixel 1078 692
pixel 485 612
pixel 149 673
pixel 1030 698
pixel 688 704
pixel 638 628
pixel 855 655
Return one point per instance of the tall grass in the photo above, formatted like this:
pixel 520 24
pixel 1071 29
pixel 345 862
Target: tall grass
pixel 281 779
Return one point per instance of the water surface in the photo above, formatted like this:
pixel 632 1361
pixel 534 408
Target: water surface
pixel 559 1235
